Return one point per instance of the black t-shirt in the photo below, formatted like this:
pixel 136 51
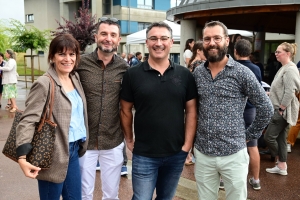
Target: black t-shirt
pixel 159 101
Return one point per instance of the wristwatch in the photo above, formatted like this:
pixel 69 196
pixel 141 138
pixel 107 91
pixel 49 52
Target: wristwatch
pixel 280 109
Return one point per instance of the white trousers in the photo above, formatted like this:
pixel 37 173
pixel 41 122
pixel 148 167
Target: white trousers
pixel 111 162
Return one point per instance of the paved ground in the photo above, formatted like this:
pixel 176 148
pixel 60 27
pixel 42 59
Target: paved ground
pixel 15 186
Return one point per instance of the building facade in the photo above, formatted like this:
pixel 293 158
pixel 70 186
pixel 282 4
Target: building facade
pixel 133 16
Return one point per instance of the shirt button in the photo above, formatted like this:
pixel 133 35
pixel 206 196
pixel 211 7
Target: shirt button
pixel 158 74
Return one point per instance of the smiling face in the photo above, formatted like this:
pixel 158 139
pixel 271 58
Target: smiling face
pixel 159 43
pixel 107 38
pixel 215 51
pixel 64 62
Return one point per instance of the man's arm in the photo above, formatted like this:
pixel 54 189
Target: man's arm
pixel 126 122
pixel 190 124
pixel 264 108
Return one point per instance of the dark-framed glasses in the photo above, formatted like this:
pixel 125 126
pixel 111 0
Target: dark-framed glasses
pixel 155 39
pixel 216 39
pixel 103 19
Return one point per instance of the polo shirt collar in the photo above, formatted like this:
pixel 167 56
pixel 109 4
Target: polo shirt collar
pixel 147 67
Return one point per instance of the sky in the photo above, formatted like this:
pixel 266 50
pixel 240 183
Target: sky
pixel 12 9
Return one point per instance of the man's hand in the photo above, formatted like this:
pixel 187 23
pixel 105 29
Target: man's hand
pixel 186 148
pixel 130 144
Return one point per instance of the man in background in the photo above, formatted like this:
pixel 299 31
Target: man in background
pixel 242 52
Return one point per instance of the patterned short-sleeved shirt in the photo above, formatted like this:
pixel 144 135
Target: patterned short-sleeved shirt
pixel 221 129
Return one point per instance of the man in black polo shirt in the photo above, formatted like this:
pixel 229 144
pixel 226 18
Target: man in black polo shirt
pixel 164 97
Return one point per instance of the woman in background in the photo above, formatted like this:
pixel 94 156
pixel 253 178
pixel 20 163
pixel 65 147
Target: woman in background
pixel 10 80
pixel 284 88
pixel 198 56
pixel 187 51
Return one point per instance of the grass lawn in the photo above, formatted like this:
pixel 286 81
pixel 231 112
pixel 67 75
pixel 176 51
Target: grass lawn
pixel 21 67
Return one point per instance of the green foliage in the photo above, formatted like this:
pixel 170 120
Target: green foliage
pixel 83 29
pixel 5 40
pixel 28 37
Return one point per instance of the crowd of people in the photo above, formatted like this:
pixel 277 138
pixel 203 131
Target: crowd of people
pixel 209 112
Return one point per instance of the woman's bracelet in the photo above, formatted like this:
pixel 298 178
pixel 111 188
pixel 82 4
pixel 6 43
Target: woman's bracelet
pixel 22 157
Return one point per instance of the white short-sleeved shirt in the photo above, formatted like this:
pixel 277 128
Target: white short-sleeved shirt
pixel 187 54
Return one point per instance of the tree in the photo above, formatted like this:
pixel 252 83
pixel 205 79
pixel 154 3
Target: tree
pixel 28 37
pixel 83 29
pixel 5 40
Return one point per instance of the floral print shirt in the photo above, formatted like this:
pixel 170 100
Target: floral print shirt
pixel 221 128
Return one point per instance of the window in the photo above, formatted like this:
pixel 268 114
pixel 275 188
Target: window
pixel 106 7
pixel 142 25
pixel 29 18
pixel 147 4
pixel 41 53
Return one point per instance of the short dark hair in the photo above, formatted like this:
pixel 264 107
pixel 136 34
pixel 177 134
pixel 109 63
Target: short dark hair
pixel 109 22
pixel 243 48
pixel 2 55
pixel 62 43
pixel 137 54
pixel 216 23
pixel 161 25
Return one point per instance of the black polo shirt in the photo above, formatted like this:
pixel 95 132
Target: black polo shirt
pixel 159 101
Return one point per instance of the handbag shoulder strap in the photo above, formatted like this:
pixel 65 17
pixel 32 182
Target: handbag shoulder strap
pixel 49 104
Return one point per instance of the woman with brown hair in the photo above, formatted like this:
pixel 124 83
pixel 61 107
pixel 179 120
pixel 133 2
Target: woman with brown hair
pixel 187 51
pixel 284 88
pixel 69 113
pixel 198 56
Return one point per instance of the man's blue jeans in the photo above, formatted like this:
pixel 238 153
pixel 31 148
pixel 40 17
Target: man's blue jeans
pixel 70 189
pixel 161 173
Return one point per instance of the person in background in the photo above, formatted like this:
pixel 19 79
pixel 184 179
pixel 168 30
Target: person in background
pixel 10 80
pixel 224 86
pixel 293 132
pixel 136 59
pixel 164 97
pixel 283 94
pixel 255 58
pixel 188 51
pixel 105 69
pixel 145 58
pixel 2 63
pixel 242 52
pixel 123 55
pixel 129 58
pixel 69 113
pixel 197 57
pixel 139 56
pixel 234 39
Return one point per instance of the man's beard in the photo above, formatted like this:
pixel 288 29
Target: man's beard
pixel 219 56
pixel 113 49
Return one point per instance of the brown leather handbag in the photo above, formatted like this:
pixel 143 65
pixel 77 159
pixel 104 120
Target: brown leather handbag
pixel 43 138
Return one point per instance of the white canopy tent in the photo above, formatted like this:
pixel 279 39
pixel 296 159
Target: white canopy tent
pixel 140 36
